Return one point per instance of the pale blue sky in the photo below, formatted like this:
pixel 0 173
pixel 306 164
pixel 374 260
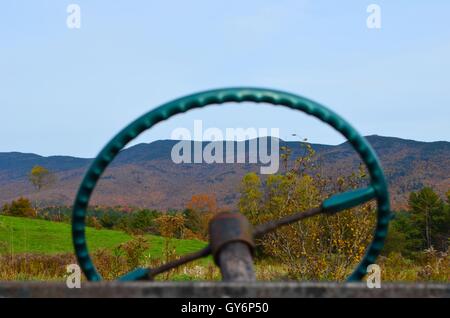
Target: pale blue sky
pixel 66 91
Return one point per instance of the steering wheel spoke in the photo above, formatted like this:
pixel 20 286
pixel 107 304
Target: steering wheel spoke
pixel 137 274
pixel 150 273
pixel 348 200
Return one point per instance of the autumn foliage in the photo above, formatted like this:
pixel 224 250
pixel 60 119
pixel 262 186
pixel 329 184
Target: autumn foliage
pixel 200 210
pixel 21 207
pixel 323 247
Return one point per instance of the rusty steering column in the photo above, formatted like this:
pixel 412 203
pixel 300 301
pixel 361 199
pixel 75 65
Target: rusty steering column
pixel 232 246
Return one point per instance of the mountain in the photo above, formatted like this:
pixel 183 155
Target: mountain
pixel 144 175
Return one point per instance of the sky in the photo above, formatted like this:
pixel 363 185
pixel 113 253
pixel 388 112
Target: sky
pixel 67 91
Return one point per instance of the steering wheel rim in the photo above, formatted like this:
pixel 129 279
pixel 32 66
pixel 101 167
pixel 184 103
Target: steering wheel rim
pixel 378 187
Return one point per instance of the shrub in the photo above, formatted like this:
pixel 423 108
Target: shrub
pixel 21 207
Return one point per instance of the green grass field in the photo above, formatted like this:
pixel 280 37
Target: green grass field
pixel 24 235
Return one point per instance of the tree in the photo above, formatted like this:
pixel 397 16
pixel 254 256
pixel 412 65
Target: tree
pixel 403 237
pixel 143 221
pixel 41 177
pixel 21 207
pixel 322 247
pixel 171 225
pixel 134 250
pixel 431 217
pixel 251 196
pixel 200 210
pixel 203 203
pixel 93 221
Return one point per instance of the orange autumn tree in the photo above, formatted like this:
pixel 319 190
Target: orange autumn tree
pixel 200 209
pixel 203 203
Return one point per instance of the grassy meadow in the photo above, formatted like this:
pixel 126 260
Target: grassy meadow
pixel 34 249
pixel 25 235
pixel 40 249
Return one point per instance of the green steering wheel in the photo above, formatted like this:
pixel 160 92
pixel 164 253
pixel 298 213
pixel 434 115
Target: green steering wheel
pixel 376 190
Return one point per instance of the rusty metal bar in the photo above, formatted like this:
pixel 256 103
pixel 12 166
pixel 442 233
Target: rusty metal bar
pixel 270 226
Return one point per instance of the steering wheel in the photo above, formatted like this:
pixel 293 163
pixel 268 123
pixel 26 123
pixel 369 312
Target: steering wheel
pixel 376 190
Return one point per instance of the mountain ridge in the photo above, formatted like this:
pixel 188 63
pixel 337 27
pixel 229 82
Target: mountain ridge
pixel 144 175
